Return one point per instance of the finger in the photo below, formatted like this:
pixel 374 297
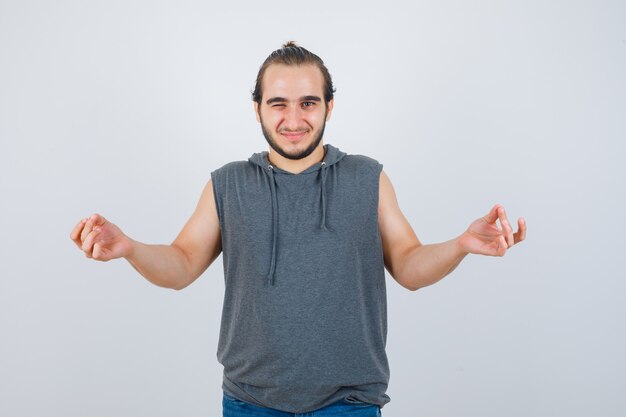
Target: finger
pixel 92 221
pixel 506 227
pixel 502 246
pixel 76 231
pixel 97 251
pixel 100 220
pixel 492 216
pixel 87 228
pixel 88 243
pixel 521 230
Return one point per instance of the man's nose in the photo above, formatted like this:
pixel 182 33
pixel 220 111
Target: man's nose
pixel 293 117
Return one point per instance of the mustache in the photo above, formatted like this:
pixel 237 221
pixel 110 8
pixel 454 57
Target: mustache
pixel 301 130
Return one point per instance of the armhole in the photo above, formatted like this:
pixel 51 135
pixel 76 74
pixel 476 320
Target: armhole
pixel 378 169
pixel 217 198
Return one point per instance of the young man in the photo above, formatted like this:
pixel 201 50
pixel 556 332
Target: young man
pixel 306 232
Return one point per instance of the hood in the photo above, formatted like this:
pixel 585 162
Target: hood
pixel 332 155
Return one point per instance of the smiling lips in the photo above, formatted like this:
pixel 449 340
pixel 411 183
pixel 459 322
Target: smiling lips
pixel 293 136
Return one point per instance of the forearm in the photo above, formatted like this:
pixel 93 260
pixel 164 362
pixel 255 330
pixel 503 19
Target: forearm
pixel 163 265
pixel 424 265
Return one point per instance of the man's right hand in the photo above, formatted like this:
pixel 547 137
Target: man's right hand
pixel 100 239
pixel 176 265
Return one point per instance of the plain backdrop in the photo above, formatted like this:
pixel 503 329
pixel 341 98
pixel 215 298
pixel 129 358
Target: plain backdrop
pixel 124 107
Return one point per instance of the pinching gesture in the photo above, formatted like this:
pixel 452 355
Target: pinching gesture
pixel 484 237
pixel 100 239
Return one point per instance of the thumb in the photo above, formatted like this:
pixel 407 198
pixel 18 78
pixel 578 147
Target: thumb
pixel 97 251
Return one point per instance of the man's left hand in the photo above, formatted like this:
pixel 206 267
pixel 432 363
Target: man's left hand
pixel 484 237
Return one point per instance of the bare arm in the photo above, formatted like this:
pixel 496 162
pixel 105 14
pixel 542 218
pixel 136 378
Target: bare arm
pixel 414 265
pixel 172 266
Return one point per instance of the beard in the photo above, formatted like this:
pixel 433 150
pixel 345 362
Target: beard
pixel 298 155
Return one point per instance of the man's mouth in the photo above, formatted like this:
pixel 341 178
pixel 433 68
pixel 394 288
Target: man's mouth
pixel 293 136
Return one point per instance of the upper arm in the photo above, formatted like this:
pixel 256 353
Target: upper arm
pixel 397 235
pixel 200 239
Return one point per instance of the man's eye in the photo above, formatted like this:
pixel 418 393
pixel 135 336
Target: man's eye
pixel 308 104
pixel 278 105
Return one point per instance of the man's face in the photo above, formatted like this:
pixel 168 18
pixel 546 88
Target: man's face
pixel 292 112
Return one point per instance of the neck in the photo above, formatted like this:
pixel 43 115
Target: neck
pixel 296 166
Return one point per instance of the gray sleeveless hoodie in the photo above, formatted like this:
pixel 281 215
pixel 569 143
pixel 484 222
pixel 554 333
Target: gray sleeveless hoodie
pixel 304 321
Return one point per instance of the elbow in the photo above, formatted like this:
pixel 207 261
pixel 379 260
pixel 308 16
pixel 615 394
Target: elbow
pixel 412 288
pixel 413 282
pixel 408 284
pixel 169 284
pixel 406 280
pixel 183 277
pixel 179 284
pixel 404 271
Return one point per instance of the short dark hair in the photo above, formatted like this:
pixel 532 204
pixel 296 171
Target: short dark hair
pixel 291 54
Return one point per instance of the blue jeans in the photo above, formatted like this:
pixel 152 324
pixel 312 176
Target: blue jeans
pixel 233 407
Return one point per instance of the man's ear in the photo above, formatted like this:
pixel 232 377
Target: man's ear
pixel 329 108
pixel 256 112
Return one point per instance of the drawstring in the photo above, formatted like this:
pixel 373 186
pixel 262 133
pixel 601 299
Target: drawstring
pixel 323 226
pixel 270 276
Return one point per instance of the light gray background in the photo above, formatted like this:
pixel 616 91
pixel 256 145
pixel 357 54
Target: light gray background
pixel 124 107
